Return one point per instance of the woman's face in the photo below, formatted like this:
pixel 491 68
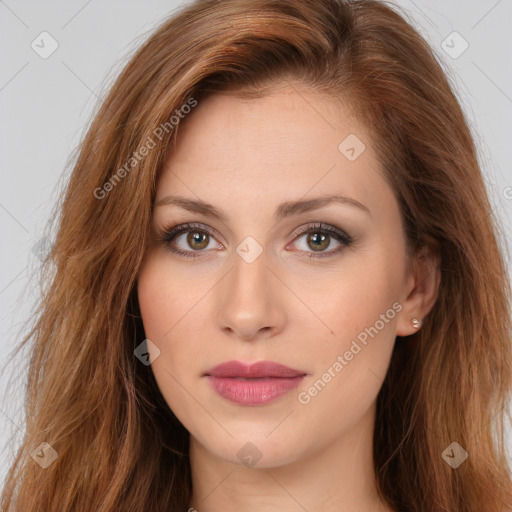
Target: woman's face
pixel 253 285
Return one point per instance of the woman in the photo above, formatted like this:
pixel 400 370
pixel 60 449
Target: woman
pixel 276 283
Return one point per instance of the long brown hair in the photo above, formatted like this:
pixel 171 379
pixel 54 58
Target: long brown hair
pixel 119 446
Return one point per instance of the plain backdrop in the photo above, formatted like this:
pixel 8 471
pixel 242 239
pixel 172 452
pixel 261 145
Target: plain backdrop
pixel 46 102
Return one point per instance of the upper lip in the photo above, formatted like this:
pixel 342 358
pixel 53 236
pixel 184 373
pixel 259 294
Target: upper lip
pixel 255 370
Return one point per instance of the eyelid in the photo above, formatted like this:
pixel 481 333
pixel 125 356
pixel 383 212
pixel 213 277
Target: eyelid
pixel 174 230
pixel 322 226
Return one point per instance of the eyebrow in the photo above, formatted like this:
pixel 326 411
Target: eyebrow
pixel 286 209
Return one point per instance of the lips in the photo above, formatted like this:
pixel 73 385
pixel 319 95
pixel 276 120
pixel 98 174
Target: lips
pixel 254 384
pixel 261 369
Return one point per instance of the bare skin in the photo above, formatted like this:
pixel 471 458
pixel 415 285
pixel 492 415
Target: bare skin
pixel 247 157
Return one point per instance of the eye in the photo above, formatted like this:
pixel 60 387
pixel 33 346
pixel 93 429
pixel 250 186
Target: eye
pixel 198 238
pixel 319 237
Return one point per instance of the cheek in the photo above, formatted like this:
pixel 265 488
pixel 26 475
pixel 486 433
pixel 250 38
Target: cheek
pixel 165 311
pixel 351 361
pixel 156 302
pixel 350 367
pixel 164 308
pixel 355 295
pixel 167 299
pixel 175 310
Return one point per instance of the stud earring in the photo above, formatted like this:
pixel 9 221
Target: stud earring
pixel 416 323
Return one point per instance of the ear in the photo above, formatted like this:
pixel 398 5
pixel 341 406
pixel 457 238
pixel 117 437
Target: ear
pixel 421 289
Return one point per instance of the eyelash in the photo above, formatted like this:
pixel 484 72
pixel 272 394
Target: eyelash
pixel 168 234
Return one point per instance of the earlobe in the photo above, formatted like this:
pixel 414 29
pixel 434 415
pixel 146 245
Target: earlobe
pixel 422 291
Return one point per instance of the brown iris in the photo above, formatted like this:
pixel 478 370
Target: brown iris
pixel 195 237
pixel 319 240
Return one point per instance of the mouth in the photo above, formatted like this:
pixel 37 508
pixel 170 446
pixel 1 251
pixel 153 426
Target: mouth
pixel 254 384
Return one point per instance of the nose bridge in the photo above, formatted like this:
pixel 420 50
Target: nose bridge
pixel 248 281
pixel 247 301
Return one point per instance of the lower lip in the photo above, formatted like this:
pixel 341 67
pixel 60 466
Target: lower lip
pixel 253 391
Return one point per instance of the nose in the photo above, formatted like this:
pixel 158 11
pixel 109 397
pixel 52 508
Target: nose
pixel 250 300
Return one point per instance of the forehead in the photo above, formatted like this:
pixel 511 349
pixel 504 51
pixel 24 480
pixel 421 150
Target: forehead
pixel 285 145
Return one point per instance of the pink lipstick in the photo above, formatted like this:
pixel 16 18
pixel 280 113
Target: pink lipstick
pixel 254 384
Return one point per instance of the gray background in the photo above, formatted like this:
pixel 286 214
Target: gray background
pixel 46 106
